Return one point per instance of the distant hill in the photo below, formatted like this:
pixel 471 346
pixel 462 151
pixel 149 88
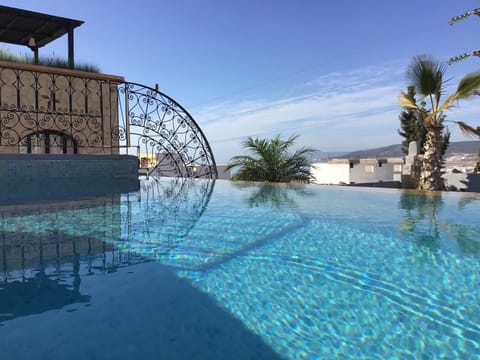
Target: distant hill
pixel 385 151
pixel 458 147
pixel 464 147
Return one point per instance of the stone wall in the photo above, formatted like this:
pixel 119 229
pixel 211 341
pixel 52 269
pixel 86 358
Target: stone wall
pixel 37 99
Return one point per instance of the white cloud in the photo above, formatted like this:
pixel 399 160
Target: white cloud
pixel 341 112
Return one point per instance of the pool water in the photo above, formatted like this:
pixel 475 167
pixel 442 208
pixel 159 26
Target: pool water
pixel 217 270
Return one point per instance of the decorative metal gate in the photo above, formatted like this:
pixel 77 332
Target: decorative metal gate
pixel 168 141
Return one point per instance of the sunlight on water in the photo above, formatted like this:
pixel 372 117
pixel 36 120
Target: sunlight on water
pixel 314 272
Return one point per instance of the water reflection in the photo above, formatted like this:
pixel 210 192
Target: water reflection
pixel 274 195
pixel 47 248
pixel 39 292
pixel 93 260
pixel 467 235
pixel 161 215
pixel 170 229
pixel 421 217
pixel 423 222
pixel 63 188
pixel 466 240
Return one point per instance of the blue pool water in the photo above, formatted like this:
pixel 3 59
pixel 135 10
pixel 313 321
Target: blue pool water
pixel 203 270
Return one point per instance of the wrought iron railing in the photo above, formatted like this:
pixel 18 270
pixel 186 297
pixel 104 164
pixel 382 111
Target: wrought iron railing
pixel 60 111
pixel 163 133
pixel 44 112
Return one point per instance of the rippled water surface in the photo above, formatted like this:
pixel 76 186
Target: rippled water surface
pixel 203 270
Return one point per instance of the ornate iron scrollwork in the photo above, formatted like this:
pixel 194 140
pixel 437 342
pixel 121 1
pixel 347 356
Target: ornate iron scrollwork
pixel 34 102
pixel 164 133
pixel 100 115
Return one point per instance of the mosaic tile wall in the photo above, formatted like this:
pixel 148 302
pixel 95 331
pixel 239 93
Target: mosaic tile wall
pixel 48 177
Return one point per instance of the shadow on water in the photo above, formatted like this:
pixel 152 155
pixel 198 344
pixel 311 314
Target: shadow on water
pixel 43 272
pixel 422 221
pixel 37 293
pixel 68 290
pixel 143 311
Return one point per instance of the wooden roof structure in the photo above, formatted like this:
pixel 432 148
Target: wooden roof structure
pixel 33 29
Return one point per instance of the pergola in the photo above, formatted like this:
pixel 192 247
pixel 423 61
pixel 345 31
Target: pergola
pixel 32 29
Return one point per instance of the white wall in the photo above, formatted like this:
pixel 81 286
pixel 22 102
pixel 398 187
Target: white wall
pixel 222 173
pixel 325 173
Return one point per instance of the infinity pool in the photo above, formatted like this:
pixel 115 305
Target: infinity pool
pixel 218 270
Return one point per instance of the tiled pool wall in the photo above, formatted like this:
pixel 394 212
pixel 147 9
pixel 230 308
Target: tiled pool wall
pixel 43 177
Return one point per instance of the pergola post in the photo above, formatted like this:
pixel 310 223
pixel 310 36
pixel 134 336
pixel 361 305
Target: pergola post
pixel 35 30
pixel 35 55
pixel 71 62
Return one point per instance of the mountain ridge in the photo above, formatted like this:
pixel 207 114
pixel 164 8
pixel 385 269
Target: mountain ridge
pixel 456 147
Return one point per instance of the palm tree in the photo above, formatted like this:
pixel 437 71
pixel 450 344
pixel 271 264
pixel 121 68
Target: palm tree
pixel 271 161
pixel 427 75
pixel 412 127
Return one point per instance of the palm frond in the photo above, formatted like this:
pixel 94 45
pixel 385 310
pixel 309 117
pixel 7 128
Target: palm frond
pixel 467 129
pixel 426 74
pixel 406 101
pixel 448 104
pixel 468 85
pixel 271 161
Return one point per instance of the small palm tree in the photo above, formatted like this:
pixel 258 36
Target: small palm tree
pixel 271 161
pixel 427 75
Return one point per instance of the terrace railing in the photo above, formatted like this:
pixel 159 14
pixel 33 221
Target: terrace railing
pixel 163 132
pixel 50 110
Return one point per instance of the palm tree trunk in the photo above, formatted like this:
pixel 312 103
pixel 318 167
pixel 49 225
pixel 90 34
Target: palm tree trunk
pixel 431 173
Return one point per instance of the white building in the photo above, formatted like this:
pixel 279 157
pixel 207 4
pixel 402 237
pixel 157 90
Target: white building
pixel 358 171
pixel 223 174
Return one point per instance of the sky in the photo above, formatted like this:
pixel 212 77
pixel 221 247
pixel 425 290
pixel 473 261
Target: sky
pixel 327 71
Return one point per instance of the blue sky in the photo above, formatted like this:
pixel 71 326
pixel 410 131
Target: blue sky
pixel 329 71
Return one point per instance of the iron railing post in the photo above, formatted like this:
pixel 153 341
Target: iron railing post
pixel 127 118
